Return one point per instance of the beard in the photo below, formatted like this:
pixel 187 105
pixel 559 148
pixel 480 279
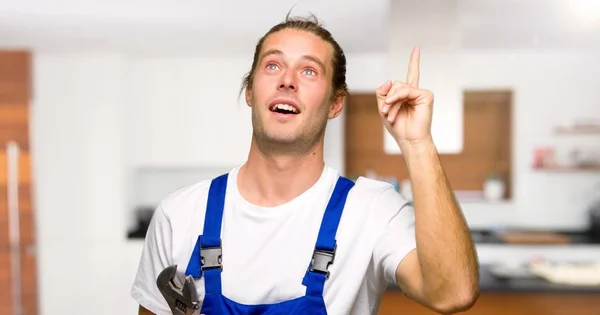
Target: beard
pixel 300 140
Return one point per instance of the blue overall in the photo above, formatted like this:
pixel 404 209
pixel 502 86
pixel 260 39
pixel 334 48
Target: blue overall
pixel 206 259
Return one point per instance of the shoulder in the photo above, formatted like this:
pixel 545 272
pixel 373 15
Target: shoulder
pixel 365 187
pixel 184 210
pixel 187 201
pixel 185 198
pixel 380 197
pixel 377 191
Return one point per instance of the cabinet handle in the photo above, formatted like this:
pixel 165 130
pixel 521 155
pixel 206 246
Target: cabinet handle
pixel 12 152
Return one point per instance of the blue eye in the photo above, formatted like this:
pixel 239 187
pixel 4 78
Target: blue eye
pixel 311 71
pixel 272 66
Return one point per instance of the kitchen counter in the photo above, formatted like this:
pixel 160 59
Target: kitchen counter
pixel 515 297
pixel 489 283
pixel 575 237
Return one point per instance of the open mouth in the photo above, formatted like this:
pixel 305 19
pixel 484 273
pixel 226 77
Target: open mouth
pixel 283 108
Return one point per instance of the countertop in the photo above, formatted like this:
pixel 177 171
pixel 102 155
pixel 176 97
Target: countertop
pixel 488 283
pixel 575 237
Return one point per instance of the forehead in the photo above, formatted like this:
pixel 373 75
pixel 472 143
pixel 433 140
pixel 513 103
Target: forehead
pixel 297 43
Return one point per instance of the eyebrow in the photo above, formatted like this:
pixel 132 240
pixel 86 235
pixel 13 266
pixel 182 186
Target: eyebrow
pixel 307 57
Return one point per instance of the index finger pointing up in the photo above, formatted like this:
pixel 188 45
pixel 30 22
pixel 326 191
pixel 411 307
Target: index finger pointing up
pixel 412 78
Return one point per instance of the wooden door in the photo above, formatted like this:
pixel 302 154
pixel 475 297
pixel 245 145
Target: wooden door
pixel 18 271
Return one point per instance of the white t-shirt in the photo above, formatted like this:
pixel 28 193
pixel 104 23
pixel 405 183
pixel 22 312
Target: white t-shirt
pixel 266 250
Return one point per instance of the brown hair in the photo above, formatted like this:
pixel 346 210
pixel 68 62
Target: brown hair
pixel 312 25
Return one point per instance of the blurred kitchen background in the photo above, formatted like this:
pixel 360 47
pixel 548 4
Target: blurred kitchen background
pixel 107 106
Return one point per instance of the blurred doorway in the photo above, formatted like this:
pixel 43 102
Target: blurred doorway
pixel 18 266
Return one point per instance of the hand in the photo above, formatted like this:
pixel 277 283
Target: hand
pixel 405 109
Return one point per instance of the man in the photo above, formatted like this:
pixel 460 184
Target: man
pixel 295 237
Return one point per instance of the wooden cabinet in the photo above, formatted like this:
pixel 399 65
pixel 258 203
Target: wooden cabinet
pixel 486 150
pixel 513 303
pixel 18 288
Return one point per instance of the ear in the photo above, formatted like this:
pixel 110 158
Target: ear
pixel 336 107
pixel 248 94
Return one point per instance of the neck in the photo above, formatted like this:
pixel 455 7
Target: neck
pixel 273 179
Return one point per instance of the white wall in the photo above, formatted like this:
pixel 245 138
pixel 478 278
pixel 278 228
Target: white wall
pixel 186 109
pixel 96 116
pixel 78 154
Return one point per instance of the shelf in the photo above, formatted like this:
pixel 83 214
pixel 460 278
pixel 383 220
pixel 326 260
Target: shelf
pixel 560 168
pixel 583 130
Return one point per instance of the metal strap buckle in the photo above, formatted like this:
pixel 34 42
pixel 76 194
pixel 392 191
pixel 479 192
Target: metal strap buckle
pixel 321 260
pixel 211 258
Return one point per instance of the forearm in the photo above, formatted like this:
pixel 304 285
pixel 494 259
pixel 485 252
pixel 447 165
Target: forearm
pixel 445 249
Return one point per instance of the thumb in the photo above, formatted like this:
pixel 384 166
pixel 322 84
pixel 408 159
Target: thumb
pixel 381 93
pixel 383 90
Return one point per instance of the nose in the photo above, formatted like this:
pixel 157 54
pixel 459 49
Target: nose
pixel 288 81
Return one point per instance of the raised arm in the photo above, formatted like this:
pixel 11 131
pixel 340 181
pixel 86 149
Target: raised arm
pixel 442 273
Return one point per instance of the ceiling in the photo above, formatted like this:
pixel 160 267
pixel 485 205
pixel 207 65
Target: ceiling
pixel 231 27
pixel 176 26
pixel 530 24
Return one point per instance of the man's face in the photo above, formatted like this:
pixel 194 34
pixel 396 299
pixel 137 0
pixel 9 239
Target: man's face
pixel 291 92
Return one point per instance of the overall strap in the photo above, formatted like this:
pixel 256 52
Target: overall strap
pixel 207 254
pixel 325 248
